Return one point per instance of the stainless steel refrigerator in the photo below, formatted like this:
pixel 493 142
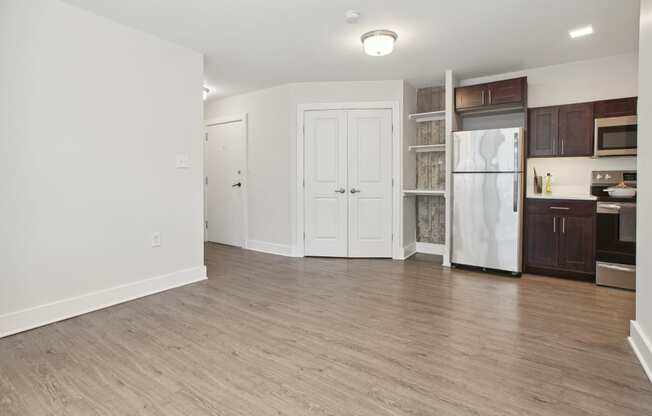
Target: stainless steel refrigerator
pixel 487 198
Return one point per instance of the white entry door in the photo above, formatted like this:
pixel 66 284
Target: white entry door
pixel 370 183
pixel 348 183
pixel 225 163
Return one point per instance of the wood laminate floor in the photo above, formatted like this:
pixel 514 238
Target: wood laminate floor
pixel 268 335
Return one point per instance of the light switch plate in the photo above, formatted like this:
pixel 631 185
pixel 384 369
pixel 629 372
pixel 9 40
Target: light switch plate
pixel 156 239
pixel 183 161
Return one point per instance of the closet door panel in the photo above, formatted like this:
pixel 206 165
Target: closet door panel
pixel 370 183
pixel 326 192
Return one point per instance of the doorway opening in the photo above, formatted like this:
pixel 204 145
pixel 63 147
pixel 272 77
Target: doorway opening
pixel 225 181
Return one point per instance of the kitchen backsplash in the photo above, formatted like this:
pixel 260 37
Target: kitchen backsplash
pixel 572 175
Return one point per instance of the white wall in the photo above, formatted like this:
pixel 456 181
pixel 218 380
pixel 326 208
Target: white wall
pixel 641 329
pixel 93 116
pixel 272 117
pixel 576 82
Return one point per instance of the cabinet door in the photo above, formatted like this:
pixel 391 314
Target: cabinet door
pixel 470 97
pixel 543 129
pixel 542 240
pixel 576 130
pixel 616 108
pixel 577 244
pixel 506 92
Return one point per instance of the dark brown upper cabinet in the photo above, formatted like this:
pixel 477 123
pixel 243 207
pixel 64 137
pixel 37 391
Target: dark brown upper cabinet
pixel 616 108
pixel 506 92
pixel 565 130
pixel 576 130
pixel 467 98
pixel 491 96
pixel 543 129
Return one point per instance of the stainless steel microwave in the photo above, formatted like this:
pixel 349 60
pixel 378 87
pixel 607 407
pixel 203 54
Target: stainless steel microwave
pixel 615 136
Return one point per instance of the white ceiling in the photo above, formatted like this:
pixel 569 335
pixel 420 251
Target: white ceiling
pixel 252 44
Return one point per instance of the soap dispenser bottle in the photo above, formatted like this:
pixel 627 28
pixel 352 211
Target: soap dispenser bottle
pixel 548 183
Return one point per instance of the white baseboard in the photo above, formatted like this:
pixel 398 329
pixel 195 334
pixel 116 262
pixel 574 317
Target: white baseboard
pixel 408 251
pixel 642 347
pixel 429 248
pixel 271 248
pixel 15 322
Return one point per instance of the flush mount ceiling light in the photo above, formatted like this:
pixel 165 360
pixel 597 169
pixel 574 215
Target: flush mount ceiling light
pixel 582 31
pixel 378 42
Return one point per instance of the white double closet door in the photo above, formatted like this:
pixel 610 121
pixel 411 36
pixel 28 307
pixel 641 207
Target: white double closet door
pixel 348 183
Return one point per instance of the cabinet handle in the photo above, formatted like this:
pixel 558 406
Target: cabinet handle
pixel 560 208
pixel 482 97
pixel 563 225
pixel 562 145
pixel 489 96
pixel 554 225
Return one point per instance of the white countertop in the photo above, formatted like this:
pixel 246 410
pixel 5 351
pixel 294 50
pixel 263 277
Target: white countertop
pixel 560 195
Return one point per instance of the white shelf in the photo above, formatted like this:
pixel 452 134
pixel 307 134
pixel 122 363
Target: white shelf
pixel 429 116
pixel 421 148
pixel 413 192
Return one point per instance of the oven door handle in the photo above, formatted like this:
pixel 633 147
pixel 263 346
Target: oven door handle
pixel 619 268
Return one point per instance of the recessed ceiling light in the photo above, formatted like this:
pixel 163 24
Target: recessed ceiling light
pixel 582 31
pixel 378 42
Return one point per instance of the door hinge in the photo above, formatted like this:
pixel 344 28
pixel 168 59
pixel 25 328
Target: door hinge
pixel 304 236
pixel 206 224
pixel 206 181
pixel 392 236
pixel 205 137
pixel 392 182
pixel 304 182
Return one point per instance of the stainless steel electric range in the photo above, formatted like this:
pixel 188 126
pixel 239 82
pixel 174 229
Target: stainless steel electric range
pixel 616 231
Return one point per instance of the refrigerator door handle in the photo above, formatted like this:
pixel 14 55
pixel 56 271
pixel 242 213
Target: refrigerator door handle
pixel 516 169
pixel 516 192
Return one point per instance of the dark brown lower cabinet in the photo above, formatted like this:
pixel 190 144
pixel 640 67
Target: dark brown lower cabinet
pixel 560 238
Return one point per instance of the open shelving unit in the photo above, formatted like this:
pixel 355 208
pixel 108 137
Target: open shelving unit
pixel 422 148
pixel 430 119
pixel 428 116
pixel 424 192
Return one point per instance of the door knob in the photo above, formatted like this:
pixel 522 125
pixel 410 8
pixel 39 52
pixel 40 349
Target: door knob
pixel 239 184
pixel 355 191
pixel 340 191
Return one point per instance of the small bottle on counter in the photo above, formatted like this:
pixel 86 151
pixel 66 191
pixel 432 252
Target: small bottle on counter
pixel 548 183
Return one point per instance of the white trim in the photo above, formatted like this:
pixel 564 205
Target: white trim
pixel 450 126
pixel 429 248
pixel 271 248
pixel 397 202
pixel 15 322
pixel 642 347
pixel 244 118
pixel 409 251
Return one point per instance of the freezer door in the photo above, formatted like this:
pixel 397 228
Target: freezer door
pixel 498 150
pixel 487 220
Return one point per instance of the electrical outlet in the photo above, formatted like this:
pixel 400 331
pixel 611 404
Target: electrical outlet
pixel 156 239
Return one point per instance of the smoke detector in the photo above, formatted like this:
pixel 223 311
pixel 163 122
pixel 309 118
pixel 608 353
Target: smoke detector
pixel 352 16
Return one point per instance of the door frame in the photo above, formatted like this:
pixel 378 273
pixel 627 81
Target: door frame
pixel 397 206
pixel 245 172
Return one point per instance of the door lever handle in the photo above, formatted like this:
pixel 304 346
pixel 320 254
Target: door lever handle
pixel 355 191
pixel 239 184
pixel 340 191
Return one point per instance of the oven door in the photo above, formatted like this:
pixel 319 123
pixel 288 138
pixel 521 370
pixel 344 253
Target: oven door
pixel 616 231
pixel 616 136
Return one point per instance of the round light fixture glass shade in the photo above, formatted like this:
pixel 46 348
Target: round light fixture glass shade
pixel 378 42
